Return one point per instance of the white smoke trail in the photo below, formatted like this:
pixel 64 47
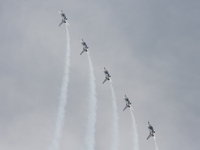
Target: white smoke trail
pixel 156 144
pixel 115 137
pixel 135 133
pixel 90 130
pixel 63 98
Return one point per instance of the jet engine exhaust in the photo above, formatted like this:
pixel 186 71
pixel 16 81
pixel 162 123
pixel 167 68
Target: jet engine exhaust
pixel 115 137
pixel 63 97
pixel 135 133
pixel 111 80
pixel 92 103
pixel 131 108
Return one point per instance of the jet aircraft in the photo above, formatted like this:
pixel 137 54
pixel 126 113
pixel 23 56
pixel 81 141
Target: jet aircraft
pixel 128 103
pixel 107 75
pixel 152 132
pixel 85 47
pixel 64 18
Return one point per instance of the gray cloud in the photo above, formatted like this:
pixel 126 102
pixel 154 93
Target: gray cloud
pixel 149 47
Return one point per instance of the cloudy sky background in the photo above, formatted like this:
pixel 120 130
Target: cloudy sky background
pixel 150 48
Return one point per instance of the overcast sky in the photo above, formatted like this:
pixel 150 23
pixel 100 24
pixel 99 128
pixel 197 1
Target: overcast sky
pixel 150 48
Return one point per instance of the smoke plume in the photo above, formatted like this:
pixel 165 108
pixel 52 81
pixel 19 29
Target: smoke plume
pixel 115 137
pixel 135 133
pixel 156 144
pixel 63 97
pixel 92 104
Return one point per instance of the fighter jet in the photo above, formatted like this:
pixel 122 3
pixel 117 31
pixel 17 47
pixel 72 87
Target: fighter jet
pixel 128 103
pixel 152 132
pixel 107 75
pixel 85 47
pixel 64 18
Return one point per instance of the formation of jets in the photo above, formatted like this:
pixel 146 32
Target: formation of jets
pixel 64 18
pixel 128 103
pixel 108 77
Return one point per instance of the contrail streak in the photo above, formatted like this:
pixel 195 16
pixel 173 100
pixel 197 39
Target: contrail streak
pixel 156 144
pixel 63 98
pixel 92 103
pixel 135 134
pixel 115 137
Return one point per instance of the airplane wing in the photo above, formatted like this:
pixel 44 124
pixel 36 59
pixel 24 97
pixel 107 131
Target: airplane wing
pixel 82 52
pixel 125 107
pixel 61 23
pixel 105 80
pixel 149 136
